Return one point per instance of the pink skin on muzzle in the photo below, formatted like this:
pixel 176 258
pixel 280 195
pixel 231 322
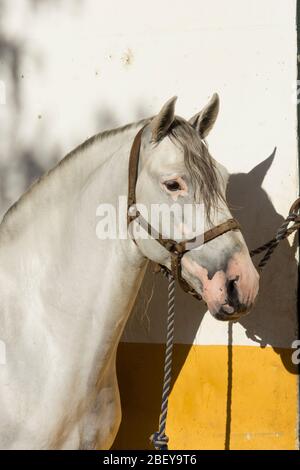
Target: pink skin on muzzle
pixel 214 291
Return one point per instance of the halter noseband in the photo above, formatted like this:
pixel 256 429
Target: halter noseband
pixel 176 249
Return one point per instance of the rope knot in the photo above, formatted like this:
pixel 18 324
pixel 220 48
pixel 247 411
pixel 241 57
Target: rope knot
pixel 160 441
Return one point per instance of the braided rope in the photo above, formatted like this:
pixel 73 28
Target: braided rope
pixel 283 232
pixel 159 438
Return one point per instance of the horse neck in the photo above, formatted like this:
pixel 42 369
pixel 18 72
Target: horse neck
pixel 115 266
pixel 82 284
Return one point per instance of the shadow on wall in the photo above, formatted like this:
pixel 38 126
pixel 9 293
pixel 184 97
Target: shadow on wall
pixel 272 320
pixel 18 166
pixel 22 163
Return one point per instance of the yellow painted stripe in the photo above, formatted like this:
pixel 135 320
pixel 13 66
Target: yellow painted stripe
pixel 255 409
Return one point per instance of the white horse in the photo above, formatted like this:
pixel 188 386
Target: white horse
pixel 66 295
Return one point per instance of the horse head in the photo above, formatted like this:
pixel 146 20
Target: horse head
pixel 177 170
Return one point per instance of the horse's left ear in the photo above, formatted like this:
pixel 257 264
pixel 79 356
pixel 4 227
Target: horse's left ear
pixel 161 123
pixel 204 121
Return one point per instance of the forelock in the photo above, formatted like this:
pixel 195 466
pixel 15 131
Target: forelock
pixel 199 163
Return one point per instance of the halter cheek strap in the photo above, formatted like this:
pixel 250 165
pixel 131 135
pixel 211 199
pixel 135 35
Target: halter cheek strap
pixel 176 249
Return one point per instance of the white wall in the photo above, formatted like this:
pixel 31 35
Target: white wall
pixel 74 68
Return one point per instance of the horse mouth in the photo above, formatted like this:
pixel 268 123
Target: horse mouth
pixel 224 315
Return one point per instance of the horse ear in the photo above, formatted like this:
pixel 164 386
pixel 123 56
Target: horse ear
pixel 204 121
pixel 258 173
pixel 161 123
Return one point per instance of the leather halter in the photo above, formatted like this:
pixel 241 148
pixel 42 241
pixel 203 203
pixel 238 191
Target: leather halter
pixel 176 249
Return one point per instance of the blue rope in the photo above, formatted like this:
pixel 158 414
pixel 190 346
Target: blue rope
pixel 159 438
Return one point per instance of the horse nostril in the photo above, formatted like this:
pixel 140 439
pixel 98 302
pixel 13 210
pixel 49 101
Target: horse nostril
pixel 232 293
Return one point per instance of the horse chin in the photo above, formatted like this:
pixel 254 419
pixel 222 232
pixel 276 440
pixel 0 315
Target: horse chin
pixel 227 313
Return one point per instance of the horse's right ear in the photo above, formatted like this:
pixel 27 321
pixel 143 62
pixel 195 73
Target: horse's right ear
pixel 161 123
pixel 204 121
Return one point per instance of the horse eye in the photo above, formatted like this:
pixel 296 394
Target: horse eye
pixel 172 185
